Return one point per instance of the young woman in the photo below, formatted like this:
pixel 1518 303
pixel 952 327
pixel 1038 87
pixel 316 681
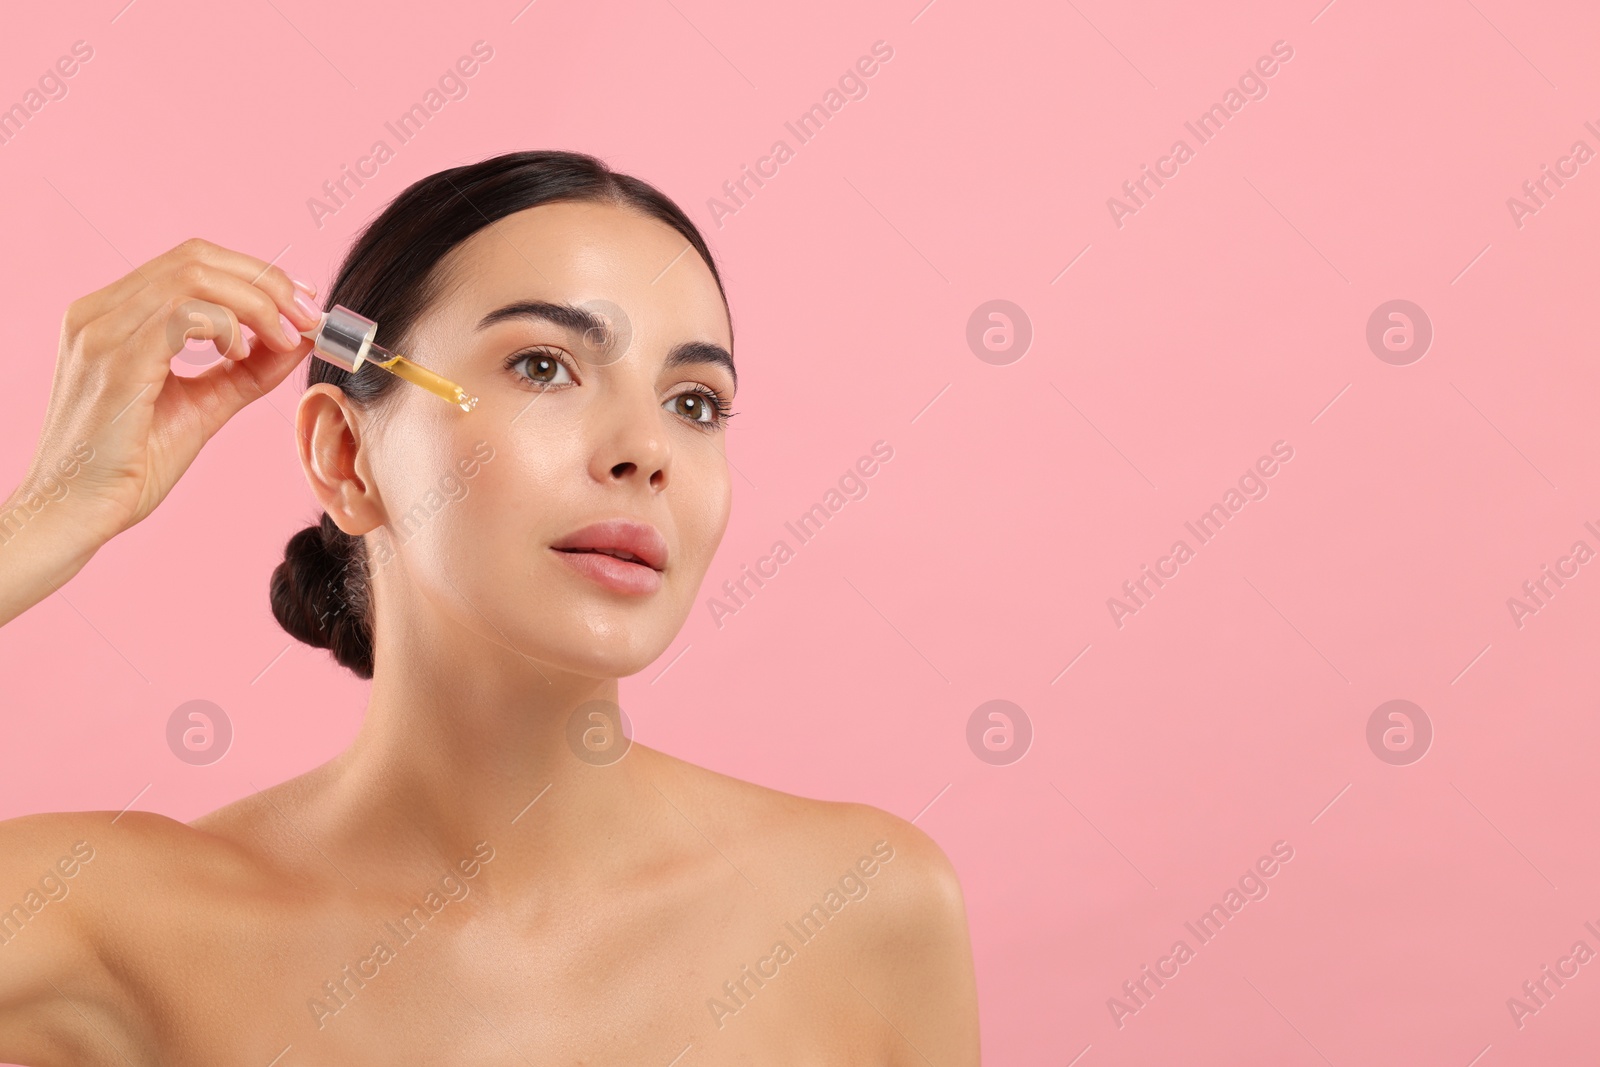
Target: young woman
pixel 491 873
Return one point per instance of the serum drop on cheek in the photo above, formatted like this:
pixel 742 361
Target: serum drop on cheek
pixel 344 339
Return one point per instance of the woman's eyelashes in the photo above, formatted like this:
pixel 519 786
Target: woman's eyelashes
pixel 546 361
pixel 703 401
pixel 700 405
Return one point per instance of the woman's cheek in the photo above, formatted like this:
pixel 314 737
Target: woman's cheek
pixel 703 532
pixel 508 499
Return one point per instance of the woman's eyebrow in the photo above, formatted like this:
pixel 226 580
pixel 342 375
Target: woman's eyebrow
pixel 568 316
pixel 703 352
pixel 581 320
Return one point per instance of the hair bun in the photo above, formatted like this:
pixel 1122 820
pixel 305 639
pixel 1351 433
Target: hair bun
pixel 320 596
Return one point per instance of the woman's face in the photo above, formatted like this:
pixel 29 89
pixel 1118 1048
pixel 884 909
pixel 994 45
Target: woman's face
pixel 572 427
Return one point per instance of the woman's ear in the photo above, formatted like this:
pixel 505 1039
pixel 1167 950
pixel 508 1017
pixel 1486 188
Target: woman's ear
pixel 329 431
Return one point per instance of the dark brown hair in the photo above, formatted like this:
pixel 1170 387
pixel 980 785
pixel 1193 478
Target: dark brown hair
pixel 320 592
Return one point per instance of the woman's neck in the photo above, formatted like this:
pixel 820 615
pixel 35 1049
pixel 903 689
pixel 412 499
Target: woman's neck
pixel 497 748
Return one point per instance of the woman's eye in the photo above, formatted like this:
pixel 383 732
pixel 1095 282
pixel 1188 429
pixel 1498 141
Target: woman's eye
pixel 706 409
pixel 542 368
pixel 693 406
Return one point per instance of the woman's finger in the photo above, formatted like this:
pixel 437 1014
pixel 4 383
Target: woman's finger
pixel 279 285
pixel 198 301
pixel 219 392
pixel 271 279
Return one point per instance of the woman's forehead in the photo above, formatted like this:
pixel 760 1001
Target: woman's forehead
pixel 584 253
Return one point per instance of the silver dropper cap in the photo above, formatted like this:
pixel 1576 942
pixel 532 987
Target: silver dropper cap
pixel 343 338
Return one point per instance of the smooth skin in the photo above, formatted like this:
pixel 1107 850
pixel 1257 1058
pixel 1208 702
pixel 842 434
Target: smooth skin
pixel 565 911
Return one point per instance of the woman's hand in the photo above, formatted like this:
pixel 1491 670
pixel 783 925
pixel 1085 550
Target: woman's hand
pixel 121 427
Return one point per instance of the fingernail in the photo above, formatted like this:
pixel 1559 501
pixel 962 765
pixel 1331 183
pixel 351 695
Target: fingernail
pixel 310 310
pixel 291 332
pixel 307 286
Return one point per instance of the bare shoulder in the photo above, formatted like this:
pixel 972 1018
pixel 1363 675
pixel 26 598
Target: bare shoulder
pixel 795 836
pixel 81 841
pixel 907 948
pixel 115 860
pixel 121 878
pixel 69 882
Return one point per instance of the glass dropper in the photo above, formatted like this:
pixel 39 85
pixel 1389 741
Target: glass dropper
pixel 344 339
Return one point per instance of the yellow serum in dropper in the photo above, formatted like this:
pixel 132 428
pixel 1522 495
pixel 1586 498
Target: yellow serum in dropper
pixel 417 374
pixel 345 339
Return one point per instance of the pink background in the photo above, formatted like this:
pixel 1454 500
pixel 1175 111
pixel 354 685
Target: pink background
pixel 1228 313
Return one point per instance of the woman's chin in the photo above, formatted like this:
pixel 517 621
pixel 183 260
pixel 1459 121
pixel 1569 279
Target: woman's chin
pixel 615 655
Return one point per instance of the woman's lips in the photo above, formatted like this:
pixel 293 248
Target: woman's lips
pixel 615 574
